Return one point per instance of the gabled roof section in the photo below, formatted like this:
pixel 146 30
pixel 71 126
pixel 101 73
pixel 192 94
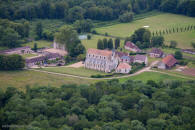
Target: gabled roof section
pixel 106 53
pixel 124 66
pixel 169 60
pixel 131 45
pixel 156 51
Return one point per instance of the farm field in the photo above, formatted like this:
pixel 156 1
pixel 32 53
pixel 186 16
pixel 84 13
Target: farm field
pixel 73 71
pixel 158 22
pixel 20 79
pixel 40 44
pixel 183 39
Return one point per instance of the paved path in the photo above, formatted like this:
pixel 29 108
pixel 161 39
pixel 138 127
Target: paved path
pixel 146 69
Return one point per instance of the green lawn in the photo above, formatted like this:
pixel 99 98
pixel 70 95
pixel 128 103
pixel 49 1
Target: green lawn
pixel 183 39
pixel 40 44
pixel 20 79
pixel 151 76
pixel 3 48
pixel 28 55
pixel 73 71
pixel 158 22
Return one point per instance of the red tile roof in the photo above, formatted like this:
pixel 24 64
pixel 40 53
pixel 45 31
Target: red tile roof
pixel 169 60
pixel 99 52
pixel 123 66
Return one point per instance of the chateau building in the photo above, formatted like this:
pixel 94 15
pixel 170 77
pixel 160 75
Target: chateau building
pixel 102 60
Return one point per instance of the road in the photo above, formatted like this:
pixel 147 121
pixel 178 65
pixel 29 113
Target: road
pixel 146 69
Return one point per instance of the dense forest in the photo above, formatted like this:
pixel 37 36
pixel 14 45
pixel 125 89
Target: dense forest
pixel 111 105
pixel 72 10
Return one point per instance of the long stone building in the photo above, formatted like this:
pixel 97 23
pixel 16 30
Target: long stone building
pixel 101 60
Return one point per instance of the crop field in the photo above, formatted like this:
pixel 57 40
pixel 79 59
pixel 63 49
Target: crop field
pixel 73 71
pixel 40 44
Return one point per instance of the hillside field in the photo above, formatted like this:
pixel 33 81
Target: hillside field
pixel 183 39
pixel 158 22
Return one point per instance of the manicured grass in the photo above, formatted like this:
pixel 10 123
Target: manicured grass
pixel 28 55
pixel 20 79
pixel 92 43
pixel 158 22
pixel 40 44
pixel 3 48
pixel 73 71
pixel 144 77
pixel 183 39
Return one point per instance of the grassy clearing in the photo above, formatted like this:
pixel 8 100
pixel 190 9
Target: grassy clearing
pixel 73 71
pixel 184 39
pixel 144 77
pixel 28 55
pixel 92 43
pixel 20 79
pixel 40 44
pixel 158 22
pixel 3 48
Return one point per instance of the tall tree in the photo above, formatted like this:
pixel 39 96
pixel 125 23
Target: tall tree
pixel 117 43
pixel 39 30
pixel 110 43
pixel 105 42
pixel 100 44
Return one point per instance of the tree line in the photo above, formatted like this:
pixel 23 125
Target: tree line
pixel 105 105
pixel 11 62
pixel 72 10
pixel 173 30
pixel 108 44
pixel 12 34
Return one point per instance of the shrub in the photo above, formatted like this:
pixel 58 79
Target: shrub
pixel 126 17
pixel 178 55
pixel 94 32
pixel 11 62
pixel 88 37
pixel 106 34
